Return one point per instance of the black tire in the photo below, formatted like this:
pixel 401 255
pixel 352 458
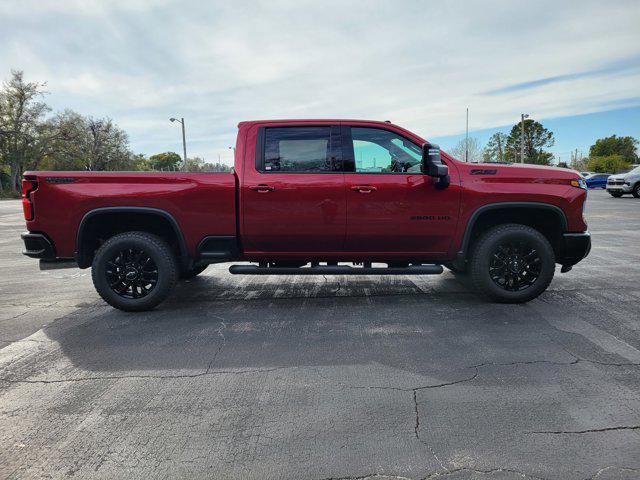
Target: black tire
pixel 512 263
pixel 636 190
pixel 120 256
pixel 615 195
pixel 186 274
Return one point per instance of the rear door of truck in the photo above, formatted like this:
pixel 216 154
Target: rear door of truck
pixel 293 195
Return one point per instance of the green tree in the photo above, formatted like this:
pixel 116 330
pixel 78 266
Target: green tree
pixel 165 161
pixel 608 164
pixel 65 141
pixel 494 151
pixel 140 163
pixel 107 146
pixel 70 141
pixel 21 116
pixel 62 142
pixel 614 145
pixel 536 139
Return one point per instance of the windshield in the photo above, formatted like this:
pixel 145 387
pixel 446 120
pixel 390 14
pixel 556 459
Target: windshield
pixel 635 171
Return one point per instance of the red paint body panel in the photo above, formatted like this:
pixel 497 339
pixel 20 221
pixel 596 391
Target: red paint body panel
pixel 202 203
pixel 303 212
pixel 310 216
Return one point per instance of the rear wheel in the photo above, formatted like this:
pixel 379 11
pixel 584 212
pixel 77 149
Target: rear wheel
pixel 512 263
pixel 134 271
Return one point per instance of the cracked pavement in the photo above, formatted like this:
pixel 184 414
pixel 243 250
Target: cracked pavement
pixel 325 378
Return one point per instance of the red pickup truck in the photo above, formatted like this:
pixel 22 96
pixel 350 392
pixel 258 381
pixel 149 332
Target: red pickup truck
pixel 312 197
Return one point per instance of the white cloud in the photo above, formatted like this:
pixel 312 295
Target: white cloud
pixel 419 64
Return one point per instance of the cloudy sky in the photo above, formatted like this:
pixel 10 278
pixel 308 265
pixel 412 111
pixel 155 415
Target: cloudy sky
pixel 574 65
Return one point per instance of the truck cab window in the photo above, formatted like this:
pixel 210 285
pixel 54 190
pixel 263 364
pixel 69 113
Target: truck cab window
pixel 380 151
pixel 298 149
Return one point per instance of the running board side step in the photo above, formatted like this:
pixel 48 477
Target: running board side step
pixel 336 270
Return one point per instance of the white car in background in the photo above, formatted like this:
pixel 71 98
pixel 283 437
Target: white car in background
pixel 625 183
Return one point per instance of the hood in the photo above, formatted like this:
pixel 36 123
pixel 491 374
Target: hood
pixel 619 176
pixel 526 170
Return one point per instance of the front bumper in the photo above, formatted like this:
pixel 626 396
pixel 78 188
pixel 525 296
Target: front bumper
pixel 619 188
pixel 574 247
pixel 38 245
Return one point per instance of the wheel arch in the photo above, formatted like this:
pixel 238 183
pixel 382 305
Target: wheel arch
pixel 534 214
pixel 104 222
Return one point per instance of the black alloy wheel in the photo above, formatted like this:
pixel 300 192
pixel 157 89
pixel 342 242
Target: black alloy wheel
pixel 131 273
pixel 512 263
pixel 515 265
pixel 134 271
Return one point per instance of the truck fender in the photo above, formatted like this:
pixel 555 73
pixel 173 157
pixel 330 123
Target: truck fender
pixel 463 252
pixel 145 210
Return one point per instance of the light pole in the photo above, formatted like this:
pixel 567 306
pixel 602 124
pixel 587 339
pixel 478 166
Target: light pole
pixel 522 117
pixel 184 141
pixel 466 140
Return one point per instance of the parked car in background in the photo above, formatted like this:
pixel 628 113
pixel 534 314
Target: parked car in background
pixel 624 183
pixel 597 180
pixel 586 174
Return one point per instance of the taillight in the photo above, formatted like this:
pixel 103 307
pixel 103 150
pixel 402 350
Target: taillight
pixel 28 187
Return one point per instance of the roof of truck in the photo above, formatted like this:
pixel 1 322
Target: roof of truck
pixel 385 123
pixel 316 120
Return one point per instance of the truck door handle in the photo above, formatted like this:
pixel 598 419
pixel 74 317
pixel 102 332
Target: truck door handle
pixel 262 188
pixel 364 188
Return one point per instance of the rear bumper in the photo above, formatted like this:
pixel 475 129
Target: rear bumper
pixel 575 247
pixel 38 245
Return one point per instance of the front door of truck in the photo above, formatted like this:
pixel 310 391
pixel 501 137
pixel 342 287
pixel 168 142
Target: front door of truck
pixel 293 198
pixel 391 205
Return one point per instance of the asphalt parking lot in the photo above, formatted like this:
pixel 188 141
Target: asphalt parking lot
pixel 317 378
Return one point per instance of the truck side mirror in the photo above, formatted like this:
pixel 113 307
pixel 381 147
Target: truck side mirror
pixel 432 165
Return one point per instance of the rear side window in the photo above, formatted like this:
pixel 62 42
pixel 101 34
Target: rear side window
pixel 298 149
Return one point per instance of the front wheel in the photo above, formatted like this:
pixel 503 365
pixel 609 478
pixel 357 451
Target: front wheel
pixel 636 190
pixel 134 271
pixel 512 263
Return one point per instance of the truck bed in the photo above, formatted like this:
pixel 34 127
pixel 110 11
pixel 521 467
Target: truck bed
pixel 202 203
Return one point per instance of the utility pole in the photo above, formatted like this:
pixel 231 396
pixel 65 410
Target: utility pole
pixel 184 141
pixel 466 140
pixel 522 117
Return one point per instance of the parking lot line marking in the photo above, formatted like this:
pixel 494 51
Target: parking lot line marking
pixel 604 340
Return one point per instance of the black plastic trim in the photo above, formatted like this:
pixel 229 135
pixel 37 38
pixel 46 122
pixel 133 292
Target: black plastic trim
pixel 462 254
pixel 146 210
pixel 58 263
pixel 575 247
pixel 38 245
pixel 214 249
pixel 336 270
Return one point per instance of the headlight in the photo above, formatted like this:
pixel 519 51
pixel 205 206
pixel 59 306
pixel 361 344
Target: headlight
pixel 580 183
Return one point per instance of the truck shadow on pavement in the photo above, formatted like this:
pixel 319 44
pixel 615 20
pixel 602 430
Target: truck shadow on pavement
pixel 213 324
